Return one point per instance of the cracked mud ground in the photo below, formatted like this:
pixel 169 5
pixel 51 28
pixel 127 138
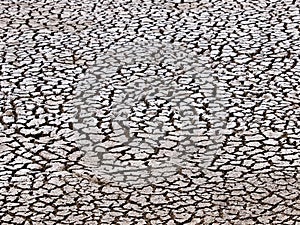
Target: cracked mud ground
pixel 48 50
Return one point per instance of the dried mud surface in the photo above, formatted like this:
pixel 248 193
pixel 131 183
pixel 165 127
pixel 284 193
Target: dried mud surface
pixel 158 143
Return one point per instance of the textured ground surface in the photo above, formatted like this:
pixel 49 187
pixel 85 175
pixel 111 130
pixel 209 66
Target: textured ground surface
pixel 93 135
